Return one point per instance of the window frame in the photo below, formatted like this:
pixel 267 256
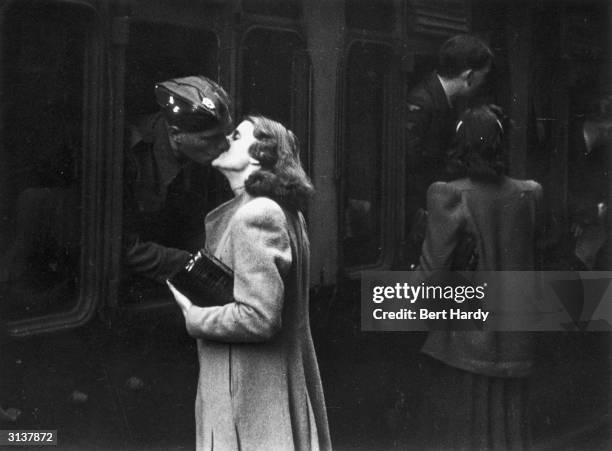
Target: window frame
pixel 91 264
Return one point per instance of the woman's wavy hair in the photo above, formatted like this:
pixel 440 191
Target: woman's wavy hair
pixel 478 148
pixel 281 176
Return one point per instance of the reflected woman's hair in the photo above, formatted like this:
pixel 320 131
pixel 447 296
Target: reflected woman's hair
pixel 478 148
pixel 281 176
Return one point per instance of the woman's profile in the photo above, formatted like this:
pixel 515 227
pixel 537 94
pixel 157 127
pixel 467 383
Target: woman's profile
pixel 259 385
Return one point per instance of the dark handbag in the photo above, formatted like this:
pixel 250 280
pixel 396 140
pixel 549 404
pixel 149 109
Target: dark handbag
pixel 205 280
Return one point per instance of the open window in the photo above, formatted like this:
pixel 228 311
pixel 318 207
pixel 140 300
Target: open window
pixel 157 52
pixel 46 148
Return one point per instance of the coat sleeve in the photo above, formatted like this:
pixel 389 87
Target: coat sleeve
pixel 445 221
pixel 152 260
pixel 261 255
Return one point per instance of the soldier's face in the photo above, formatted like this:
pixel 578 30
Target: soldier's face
pixel 201 147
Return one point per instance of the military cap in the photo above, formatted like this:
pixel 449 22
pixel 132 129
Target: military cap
pixel 194 104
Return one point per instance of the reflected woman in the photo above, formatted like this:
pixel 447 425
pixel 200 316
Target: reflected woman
pixel 259 384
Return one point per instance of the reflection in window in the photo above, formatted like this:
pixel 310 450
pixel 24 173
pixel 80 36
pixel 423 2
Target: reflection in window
pixel 42 103
pixel 364 141
pixel 275 80
pixel 175 217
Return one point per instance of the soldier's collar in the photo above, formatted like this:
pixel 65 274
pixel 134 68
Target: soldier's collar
pixel 444 89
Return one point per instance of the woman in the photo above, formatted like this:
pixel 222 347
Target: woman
pixel 477 393
pixel 259 384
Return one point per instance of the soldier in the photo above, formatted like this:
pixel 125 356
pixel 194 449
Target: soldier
pixel 191 126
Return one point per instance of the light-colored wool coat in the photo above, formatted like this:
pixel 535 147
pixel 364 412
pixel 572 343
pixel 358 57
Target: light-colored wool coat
pixel 259 386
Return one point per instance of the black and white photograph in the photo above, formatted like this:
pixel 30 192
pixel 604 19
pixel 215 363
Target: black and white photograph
pixel 305 225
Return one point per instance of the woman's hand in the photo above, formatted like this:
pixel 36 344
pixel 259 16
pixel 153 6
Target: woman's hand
pixel 183 301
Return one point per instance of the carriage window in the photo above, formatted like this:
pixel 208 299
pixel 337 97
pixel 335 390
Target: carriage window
pixel 364 144
pixel 171 213
pixel 43 59
pixel 275 80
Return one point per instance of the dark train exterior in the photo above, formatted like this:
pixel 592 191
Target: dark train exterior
pixel 102 356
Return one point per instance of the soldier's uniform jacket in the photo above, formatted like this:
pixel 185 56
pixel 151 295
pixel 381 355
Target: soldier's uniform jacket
pixel 151 174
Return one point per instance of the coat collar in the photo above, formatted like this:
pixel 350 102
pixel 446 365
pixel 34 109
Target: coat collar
pixel 438 94
pixel 218 220
pixel 448 99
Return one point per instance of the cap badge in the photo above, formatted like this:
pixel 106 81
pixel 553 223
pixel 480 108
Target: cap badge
pixel 208 103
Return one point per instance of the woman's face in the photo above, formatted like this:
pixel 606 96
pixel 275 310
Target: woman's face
pixel 237 157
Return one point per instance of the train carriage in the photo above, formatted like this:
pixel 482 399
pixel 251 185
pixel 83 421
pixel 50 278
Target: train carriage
pixel 338 72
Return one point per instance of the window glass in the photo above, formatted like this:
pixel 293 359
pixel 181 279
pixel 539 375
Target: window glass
pixel 167 212
pixel 364 143
pixel 275 80
pixel 41 149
